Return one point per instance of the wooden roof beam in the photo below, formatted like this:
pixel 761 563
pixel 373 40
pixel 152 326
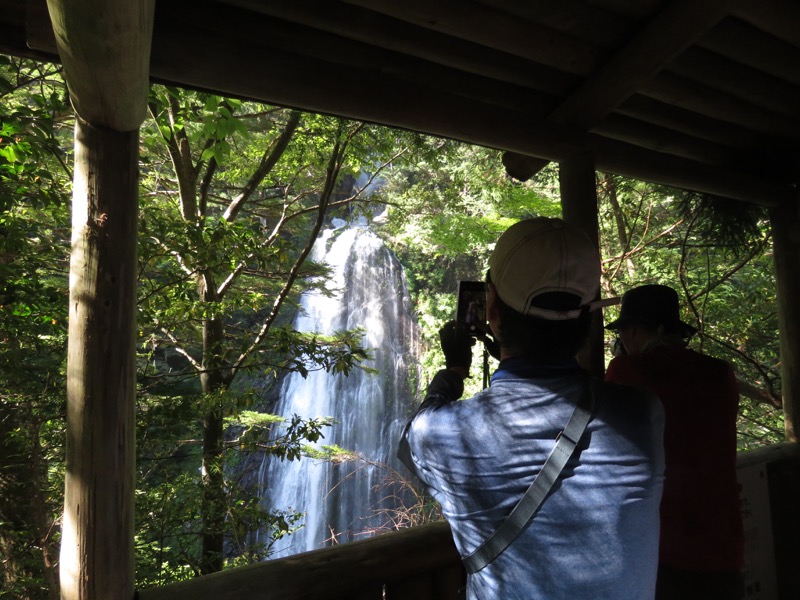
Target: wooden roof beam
pixel 630 161
pixel 734 82
pixel 305 83
pixel 474 22
pixel 671 32
pixel 653 137
pixel 284 78
pixel 675 28
pixel 352 23
pixel 320 34
pixel 322 44
pixel 764 51
pixel 694 96
pixel 687 122
pixel 104 46
pixel 416 38
pixel 281 77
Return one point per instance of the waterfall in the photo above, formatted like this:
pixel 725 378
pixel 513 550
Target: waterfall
pixel 346 499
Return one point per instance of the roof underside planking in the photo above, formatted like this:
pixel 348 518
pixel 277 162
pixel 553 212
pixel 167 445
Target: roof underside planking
pixel 700 95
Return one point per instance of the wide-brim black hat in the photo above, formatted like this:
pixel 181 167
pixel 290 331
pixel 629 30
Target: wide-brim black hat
pixel 652 305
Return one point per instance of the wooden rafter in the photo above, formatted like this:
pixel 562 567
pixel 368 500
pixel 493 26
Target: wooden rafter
pixel 350 23
pixel 675 28
pixel 778 17
pixel 492 29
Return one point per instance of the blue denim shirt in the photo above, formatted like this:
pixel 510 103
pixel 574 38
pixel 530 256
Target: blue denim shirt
pixel 596 534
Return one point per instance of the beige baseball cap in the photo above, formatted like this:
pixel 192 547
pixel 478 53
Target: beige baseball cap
pixel 542 255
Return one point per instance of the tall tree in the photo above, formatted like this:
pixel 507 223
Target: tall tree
pixel 228 224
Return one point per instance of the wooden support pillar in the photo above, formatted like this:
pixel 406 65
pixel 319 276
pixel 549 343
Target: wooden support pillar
pixel 104 46
pixel 786 237
pixel 97 537
pixel 579 207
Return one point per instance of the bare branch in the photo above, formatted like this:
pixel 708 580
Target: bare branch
pixel 178 257
pixel 285 217
pixel 756 250
pixel 759 395
pixel 179 349
pixel 642 245
pixel 332 172
pixel 769 395
pixel 268 160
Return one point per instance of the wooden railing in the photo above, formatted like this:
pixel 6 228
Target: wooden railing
pixel 420 563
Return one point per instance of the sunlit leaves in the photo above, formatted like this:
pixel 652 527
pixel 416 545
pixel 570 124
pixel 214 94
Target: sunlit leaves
pixel 34 241
pixel 285 439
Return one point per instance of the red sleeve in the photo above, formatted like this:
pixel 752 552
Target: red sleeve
pixel 622 369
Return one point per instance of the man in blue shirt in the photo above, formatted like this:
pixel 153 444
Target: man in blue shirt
pixel 596 533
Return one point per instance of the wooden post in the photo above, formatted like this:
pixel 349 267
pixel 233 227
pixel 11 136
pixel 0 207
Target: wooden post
pixel 104 46
pixel 97 537
pixel 579 207
pixel 786 237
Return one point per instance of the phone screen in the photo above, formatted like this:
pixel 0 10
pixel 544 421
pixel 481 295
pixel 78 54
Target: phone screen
pixel 471 309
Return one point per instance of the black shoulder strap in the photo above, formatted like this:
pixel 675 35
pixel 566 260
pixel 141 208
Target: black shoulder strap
pixel 516 521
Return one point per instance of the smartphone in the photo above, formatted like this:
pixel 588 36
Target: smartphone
pixel 471 307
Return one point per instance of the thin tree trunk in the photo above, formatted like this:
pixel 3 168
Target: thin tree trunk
pixel 214 506
pixel 623 236
pixel 42 516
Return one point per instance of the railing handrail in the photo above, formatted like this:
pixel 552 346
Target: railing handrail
pixel 422 557
pixel 326 573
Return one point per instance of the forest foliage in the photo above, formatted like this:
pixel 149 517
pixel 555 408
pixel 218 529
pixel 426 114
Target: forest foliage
pixel 233 195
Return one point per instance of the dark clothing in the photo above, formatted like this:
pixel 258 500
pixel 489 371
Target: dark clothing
pixel 701 525
pixel 678 584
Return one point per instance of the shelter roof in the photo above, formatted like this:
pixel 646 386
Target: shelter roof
pixel 700 95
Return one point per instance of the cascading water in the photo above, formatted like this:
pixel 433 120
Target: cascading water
pixel 347 499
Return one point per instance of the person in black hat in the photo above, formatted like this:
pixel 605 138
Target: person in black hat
pixel 650 314
pixel 595 534
pixel 701 549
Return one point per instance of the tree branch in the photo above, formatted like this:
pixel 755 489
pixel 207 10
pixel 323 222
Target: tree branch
pixel 355 197
pixel 179 349
pixel 205 185
pixel 769 396
pixel 268 160
pixel 332 173
pixel 177 144
pixel 757 249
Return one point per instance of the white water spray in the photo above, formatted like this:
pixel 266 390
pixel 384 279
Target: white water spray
pixel 345 500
